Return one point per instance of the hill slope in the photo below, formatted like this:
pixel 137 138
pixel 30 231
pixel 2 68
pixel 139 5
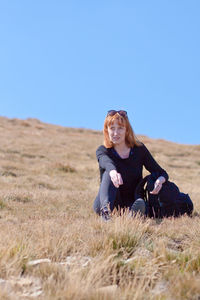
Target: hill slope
pixel 49 178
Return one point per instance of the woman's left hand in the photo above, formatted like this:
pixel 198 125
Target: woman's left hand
pixel 157 187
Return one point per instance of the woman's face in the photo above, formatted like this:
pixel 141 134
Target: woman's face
pixel 117 133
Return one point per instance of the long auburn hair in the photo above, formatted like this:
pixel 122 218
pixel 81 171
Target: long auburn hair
pixel 130 137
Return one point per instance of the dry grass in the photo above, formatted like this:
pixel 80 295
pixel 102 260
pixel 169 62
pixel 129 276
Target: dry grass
pixel 49 179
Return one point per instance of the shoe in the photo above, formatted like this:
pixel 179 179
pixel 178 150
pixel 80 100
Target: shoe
pixel 138 207
pixel 105 215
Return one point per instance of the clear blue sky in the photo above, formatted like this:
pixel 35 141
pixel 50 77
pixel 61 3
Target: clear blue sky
pixel 68 62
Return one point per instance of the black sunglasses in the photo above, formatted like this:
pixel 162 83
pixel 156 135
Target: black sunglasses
pixel 122 113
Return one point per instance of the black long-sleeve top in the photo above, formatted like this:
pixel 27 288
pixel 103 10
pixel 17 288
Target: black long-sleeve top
pixel 130 168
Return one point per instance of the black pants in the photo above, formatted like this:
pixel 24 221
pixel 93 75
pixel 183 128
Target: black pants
pixel 109 196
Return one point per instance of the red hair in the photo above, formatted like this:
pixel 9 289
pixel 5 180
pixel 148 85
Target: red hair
pixel 130 137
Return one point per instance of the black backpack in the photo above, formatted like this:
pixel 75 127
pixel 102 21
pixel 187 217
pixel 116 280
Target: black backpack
pixel 168 202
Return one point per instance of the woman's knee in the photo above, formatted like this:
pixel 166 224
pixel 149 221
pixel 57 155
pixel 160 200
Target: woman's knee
pixel 138 206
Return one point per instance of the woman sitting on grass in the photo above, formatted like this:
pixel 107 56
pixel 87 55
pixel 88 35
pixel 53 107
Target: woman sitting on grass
pixel 121 161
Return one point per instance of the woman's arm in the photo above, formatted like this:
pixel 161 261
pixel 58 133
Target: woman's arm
pixel 152 166
pixel 104 160
pixel 107 163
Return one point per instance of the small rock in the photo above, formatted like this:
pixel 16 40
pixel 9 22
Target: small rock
pixel 38 261
pixel 108 289
pixel 143 252
pixel 33 294
pixel 160 287
pixel 26 286
pixel 21 282
pixel 126 261
pixel 2 281
pixel 139 253
pixel 5 285
pixel 22 287
pixel 79 261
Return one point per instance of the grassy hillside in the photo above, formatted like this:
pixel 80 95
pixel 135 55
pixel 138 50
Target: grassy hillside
pixel 49 178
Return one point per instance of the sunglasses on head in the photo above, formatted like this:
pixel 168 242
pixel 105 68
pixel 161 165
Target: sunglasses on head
pixel 112 112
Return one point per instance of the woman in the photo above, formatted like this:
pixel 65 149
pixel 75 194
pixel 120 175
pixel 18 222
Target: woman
pixel 121 161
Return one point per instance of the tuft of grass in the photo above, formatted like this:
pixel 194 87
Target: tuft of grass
pixel 2 204
pixel 66 168
pixel 25 124
pixel 23 199
pixel 28 155
pixel 44 185
pixel 19 197
pixel 8 173
pixel 125 241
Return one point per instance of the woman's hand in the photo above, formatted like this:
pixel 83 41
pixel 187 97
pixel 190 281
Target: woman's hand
pixel 158 185
pixel 116 178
